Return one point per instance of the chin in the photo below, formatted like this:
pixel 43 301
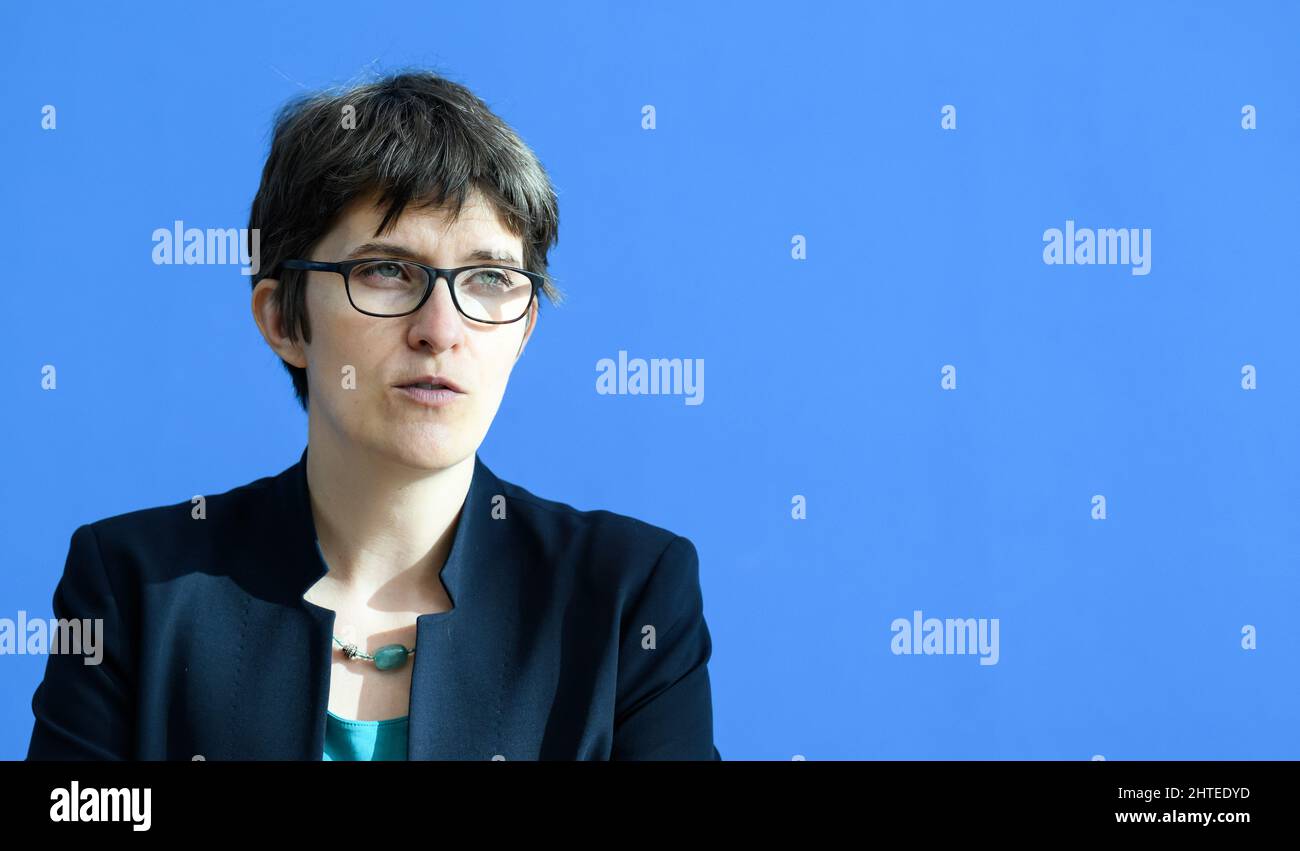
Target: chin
pixel 430 452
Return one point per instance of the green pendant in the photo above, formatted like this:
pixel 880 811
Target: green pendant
pixel 390 656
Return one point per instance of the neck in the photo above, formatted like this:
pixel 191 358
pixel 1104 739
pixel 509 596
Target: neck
pixel 382 523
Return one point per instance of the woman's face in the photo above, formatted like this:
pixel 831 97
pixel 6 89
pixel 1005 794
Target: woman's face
pixel 355 362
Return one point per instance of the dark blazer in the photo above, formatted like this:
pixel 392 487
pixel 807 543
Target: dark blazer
pixel 210 649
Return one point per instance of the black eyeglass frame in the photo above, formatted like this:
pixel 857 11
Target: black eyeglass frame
pixel 433 272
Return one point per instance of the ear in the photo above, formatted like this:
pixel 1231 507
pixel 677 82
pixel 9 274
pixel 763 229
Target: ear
pixel 266 313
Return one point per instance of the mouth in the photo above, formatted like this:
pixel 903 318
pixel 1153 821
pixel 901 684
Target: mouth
pixel 430 382
pixel 430 391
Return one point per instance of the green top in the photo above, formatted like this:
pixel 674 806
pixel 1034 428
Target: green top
pixel 346 739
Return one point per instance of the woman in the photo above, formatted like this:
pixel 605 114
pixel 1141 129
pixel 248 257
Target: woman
pixel 387 596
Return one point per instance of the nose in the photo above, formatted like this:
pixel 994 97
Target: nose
pixel 437 323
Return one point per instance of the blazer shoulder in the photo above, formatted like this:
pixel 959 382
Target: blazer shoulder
pixel 236 496
pixel 168 531
pixel 608 549
pixel 594 525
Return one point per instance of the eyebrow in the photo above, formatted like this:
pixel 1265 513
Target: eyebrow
pixel 396 250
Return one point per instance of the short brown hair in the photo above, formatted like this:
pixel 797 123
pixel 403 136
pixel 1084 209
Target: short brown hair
pixel 417 138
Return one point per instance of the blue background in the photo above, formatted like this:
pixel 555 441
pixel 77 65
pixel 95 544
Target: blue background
pixel 1119 637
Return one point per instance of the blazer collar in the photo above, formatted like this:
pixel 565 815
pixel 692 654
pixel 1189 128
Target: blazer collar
pixel 464 657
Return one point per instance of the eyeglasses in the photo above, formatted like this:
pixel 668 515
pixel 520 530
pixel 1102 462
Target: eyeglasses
pixel 495 294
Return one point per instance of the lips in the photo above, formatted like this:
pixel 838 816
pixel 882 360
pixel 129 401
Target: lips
pixel 431 382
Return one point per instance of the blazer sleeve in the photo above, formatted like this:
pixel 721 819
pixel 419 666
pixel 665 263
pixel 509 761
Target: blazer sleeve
pixel 83 711
pixel 664 709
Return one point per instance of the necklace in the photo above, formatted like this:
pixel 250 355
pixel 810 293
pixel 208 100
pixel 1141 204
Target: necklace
pixel 386 658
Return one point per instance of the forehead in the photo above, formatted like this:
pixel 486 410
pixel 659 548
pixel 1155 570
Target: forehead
pixel 426 228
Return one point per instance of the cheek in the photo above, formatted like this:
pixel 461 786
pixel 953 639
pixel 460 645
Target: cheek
pixel 496 359
pixel 338 359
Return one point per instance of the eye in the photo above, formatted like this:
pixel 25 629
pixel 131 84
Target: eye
pixel 491 277
pixel 388 270
pixel 384 273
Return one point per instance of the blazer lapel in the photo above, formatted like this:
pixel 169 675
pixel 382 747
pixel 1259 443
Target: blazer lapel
pixel 463 656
